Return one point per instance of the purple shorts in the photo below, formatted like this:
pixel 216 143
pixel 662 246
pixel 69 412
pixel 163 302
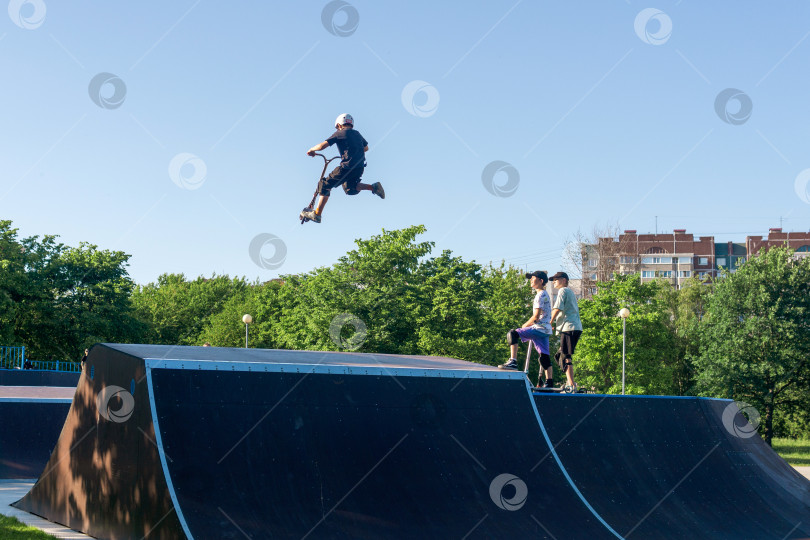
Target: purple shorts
pixel 540 339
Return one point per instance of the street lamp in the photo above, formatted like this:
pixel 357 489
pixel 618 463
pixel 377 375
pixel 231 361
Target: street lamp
pixel 623 313
pixel 247 319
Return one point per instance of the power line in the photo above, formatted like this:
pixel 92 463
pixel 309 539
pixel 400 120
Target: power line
pixel 527 256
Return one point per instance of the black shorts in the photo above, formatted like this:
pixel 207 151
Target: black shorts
pixel 568 342
pixel 341 175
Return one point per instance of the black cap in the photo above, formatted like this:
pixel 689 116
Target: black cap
pixel 539 274
pixel 559 275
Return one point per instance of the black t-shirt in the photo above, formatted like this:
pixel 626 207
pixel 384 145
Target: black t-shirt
pixel 351 147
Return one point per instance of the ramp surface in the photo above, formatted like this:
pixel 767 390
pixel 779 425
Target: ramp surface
pixel 671 467
pixel 358 453
pixel 173 442
pixel 31 418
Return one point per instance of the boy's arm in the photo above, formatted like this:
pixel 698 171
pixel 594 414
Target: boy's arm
pixel 365 149
pixel 317 148
pixel 533 318
pixel 558 304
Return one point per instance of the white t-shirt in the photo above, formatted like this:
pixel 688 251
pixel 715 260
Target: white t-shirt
pixel 542 301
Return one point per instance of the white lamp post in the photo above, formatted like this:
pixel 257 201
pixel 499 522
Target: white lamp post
pixel 247 319
pixel 623 313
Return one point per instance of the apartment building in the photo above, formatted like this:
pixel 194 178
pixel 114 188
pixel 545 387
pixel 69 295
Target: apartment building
pixel 676 256
pixel 800 241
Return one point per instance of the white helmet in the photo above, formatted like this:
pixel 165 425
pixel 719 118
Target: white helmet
pixel 345 118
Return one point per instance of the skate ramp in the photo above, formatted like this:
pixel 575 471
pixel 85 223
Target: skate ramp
pixel 31 418
pixel 670 467
pixel 201 442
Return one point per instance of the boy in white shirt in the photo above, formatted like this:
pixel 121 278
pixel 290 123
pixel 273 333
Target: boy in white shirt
pixel 537 329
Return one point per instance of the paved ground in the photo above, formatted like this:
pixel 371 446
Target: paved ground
pixel 37 393
pixel 804 470
pixel 12 490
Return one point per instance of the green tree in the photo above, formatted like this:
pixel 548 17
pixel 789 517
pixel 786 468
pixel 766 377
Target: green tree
pixel 448 312
pixel 686 308
pixel 92 299
pixel 404 301
pixel 175 310
pixel 507 304
pixel 650 362
pixel 757 336
pixel 57 300
pixel 225 327
pixel 375 284
pixel 13 281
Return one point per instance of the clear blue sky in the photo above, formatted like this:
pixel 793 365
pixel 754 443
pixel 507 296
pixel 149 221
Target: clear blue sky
pixel 607 113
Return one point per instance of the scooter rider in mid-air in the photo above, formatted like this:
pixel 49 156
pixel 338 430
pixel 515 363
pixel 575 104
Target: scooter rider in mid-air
pixel 352 148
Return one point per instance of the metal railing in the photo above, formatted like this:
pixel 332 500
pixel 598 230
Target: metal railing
pixel 56 365
pixel 14 358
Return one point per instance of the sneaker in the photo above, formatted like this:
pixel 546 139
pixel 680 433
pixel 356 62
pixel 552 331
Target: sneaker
pixel 549 383
pixel 511 364
pixel 377 189
pixel 311 215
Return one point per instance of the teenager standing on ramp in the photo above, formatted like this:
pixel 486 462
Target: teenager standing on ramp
pixel 352 148
pixel 566 317
pixel 537 329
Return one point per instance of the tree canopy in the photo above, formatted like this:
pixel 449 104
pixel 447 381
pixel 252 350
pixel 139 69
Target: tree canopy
pixel 744 336
pixel 57 300
pixel 756 336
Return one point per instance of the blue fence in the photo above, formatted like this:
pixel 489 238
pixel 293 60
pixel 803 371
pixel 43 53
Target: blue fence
pixel 14 358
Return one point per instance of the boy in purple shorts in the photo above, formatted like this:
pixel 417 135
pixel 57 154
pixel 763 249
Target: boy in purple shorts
pixel 537 329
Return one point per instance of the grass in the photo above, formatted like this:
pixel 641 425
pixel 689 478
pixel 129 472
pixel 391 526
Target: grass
pixel 12 529
pixel 794 451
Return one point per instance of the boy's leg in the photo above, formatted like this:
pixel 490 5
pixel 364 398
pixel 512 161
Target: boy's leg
pixel 545 367
pixel 321 203
pixel 325 186
pixel 569 375
pixel 376 188
pixel 513 340
pixel 568 343
pixel 541 344
pixel 355 186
